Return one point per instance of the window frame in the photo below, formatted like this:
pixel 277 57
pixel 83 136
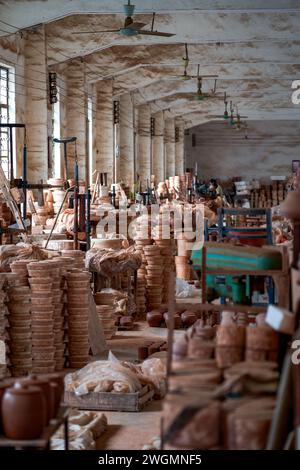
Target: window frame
pixel 5 132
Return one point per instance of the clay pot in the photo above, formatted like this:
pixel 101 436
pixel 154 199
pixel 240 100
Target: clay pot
pixel 24 412
pixel 188 318
pixel 126 321
pixel 3 386
pixel 154 318
pixel 177 320
pixel 48 393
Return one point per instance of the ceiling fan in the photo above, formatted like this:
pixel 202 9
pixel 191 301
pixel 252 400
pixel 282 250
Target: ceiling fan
pixel 238 122
pixel 226 116
pixel 200 96
pixel 185 75
pixel 131 27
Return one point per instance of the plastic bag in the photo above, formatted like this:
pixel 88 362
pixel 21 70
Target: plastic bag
pixel 184 289
pixel 102 376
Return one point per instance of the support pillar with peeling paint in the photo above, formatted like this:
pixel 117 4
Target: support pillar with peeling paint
pixel 36 118
pixel 158 160
pixel 179 149
pixel 104 129
pixel 77 116
pixel 144 145
pixel 127 141
pixel 170 146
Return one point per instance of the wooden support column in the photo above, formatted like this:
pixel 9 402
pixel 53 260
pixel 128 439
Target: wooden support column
pixel 144 145
pixel 36 118
pixel 158 160
pixel 179 148
pixel 104 129
pixel 170 146
pixel 77 116
pixel 126 163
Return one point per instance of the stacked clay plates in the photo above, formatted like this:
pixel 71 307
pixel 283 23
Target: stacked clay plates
pixel 4 335
pixel 19 267
pixel 141 277
pixel 78 300
pixel 166 250
pixel 108 319
pixel 77 255
pixel 58 317
pixel 154 270
pixel 20 345
pixel 42 316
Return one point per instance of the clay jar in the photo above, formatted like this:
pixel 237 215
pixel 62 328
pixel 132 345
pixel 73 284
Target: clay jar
pixel 3 386
pixel 47 390
pixel 23 412
pixel 126 321
pixel 177 320
pixel 154 318
pixel 188 318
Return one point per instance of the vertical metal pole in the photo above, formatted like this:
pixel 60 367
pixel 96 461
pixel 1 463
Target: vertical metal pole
pixel 88 219
pixel 76 206
pixel 24 177
pixel 11 154
pixel 171 309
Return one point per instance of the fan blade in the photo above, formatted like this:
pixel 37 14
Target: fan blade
pixel 136 25
pixel 97 32
pixel 156 33
pixel 203 76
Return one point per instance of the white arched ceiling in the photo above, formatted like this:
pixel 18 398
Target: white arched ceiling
pixel 254 49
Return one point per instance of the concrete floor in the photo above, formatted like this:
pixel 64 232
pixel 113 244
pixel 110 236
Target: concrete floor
pixel 128 431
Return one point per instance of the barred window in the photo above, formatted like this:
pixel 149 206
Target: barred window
pixel 4 119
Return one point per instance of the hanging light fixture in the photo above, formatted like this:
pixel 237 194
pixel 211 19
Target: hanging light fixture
pixel 232 121
pixel 225 115
pixel 200 96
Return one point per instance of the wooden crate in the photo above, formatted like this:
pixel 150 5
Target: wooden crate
pixel 104 401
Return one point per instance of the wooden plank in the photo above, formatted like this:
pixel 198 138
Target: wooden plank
pixel 218 308
pixel 41 442
pixel 105 401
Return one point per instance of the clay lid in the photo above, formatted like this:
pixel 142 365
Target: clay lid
pixel 20 388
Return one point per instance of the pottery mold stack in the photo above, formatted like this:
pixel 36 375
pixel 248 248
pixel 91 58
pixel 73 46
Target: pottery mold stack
pixel 59 320
pixel 20 345
pixel 4 335
pixel 108 320
pixel 154 279
pixel 78 257
pixel 19 267
pixel 140 243
pixel 78 300
pixel 42 313
pixel 166 250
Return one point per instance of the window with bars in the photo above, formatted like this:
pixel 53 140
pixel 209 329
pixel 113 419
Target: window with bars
pixel 4 118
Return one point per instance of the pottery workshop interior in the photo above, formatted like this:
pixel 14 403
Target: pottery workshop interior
pixel 150 226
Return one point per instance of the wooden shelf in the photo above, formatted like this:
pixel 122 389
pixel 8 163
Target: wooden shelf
pixel 44 441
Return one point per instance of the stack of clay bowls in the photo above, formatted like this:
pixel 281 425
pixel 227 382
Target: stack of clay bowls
pixel 154 276
pixel 19 267
pixel 41 276
pixel 141 276
pixel 108 320
pixel 20 345
pixel 78 299
pixel 166 250
pixel 182 183
pixel 78 257
pixel 4 336
pixel 58 317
